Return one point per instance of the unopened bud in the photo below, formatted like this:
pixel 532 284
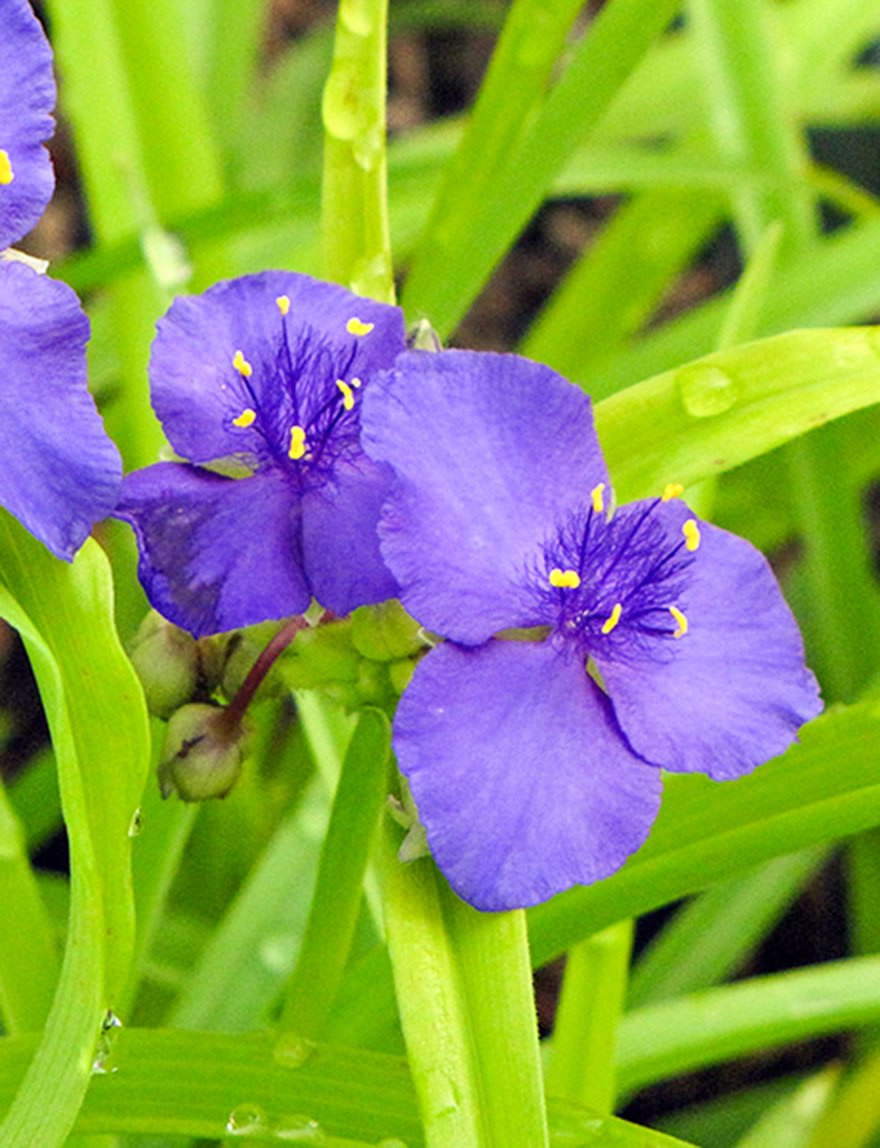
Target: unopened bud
pixel 202 754
pixel 166 660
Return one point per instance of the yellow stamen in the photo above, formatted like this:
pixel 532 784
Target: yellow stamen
pixel 347 394
pixel 283 302
pixel 596 497
pixel 242 365
pixel 681 622
pixel 564 579
pixel 672 490
pixel 5 167
pixel 297 443
pixel 691 532
pixel 246 418
pixel 355 326
pixel 613 619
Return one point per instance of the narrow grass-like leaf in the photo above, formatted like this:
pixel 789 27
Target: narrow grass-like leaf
pixel 326 946
pixel 723 409
pixel 764 1012
pixel 710 937
pixel 28 958
pixel 821 790
pixel 453 268
pixel 183 1083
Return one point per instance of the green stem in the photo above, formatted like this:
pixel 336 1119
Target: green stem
pixel 326 945
pixel 464 991
pixel 584 1034
pixel 354 210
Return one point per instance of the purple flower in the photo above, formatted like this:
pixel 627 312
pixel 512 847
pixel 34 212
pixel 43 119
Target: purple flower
pixel 265 374
pixel 653 640
pixel 60 471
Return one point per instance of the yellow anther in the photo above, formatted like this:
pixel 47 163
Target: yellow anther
pixel 596 497
pixel 681 622
pixel 242 365
pixel 564 579
pixel 355 383
pixel 355 326
pixel 691 533
pixel 283 302
pixel 297 443
pixel 613 619
pixel 5 167
pixel 246 418
pixel 347 394
pixel 672 490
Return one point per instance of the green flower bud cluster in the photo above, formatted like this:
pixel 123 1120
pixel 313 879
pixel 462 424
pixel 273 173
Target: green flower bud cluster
pixel 366 659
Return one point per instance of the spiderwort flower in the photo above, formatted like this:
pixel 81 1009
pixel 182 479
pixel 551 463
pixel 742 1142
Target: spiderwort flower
pixel 60 471
pixel 652 640
pixel 266 371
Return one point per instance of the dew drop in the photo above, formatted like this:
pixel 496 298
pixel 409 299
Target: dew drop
pixel 341 106
pixel 246 1120
pixel 293 1051
pixel 442 1097
pixel 705 390
pixel 357 16
pixel 109 1023
pixel 299 1130
pixel 136 824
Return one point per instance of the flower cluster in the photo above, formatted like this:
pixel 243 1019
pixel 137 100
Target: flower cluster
pixel 61 472
pixel 587 647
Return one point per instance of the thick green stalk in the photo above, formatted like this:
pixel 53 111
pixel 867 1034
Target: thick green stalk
pixel 464 991
pixel 354 209
pixel 581 1067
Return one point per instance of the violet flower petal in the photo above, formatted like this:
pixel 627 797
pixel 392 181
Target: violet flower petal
pixel 60 470
pixel 216 553
pixel 522 780
pixel 733 690
pixel 340 542
pixel 27 97
pixel 490 450
pixel 294 359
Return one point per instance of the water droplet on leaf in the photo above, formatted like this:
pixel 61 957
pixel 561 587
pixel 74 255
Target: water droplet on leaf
pixel 293 1051
pixel 136 824
pixel 299 1130
pixel 245 1120
pixel 705 390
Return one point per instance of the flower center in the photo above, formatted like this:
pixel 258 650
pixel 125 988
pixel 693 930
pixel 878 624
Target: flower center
pixel 294 401
pixel 615 584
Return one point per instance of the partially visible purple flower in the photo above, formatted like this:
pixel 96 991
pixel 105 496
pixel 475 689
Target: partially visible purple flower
pixel 654 640
pixel 265 373
pixel 60 471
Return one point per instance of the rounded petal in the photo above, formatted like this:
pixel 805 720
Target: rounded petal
pixel 492 452
pixel 61 473
pixel 340 544
pixel 27 98
pixel 291 353
pixel 215 553
pixel 522 780
pixel 732 691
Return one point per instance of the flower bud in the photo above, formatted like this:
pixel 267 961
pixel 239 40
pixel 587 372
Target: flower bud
pixel 202 754
pixel 166 660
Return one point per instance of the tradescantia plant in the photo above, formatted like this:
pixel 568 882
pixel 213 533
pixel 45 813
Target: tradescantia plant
pixel 437 643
